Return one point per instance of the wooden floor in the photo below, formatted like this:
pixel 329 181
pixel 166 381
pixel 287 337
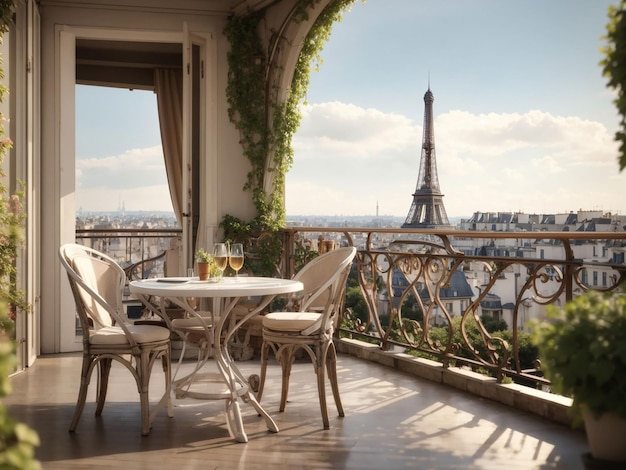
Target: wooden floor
pixel 393 421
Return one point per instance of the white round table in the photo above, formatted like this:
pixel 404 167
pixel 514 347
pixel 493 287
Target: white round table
pixel 230 291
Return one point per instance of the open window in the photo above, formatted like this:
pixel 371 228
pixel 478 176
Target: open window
pixel 173 65
pixel 174 72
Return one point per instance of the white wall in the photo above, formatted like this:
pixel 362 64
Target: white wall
pixel 59 23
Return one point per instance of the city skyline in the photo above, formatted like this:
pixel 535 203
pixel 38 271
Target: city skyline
pixel 522 122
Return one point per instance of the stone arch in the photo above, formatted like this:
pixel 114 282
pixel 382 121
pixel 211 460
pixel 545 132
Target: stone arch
pixel 283 57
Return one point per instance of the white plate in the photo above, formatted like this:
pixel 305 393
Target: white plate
pixel 211 280
pixel 174 280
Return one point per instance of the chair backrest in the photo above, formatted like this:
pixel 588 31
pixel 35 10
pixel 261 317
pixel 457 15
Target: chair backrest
pixel 324 279
pixel 172 266
pixel 97 283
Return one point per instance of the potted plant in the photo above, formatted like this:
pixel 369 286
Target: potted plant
pixel 582 348
pixel 18 440
pixel 206 265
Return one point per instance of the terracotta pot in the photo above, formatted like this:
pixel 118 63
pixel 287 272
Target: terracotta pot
pixel 204 270
pixel 605 436
pixel 325 246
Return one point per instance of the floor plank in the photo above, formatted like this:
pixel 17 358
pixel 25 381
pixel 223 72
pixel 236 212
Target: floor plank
pixel 393 421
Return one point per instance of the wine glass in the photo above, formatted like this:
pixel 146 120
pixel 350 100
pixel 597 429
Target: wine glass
pixel 220 256
pixel 235 258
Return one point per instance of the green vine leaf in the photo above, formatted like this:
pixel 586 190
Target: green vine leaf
pixel 614 67
pixel 266 126
pixel 17 441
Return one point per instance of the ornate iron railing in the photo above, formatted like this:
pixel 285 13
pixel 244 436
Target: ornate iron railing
pixel 141 252
pixel 431 292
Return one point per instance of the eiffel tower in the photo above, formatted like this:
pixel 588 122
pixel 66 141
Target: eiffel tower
pixel 427 209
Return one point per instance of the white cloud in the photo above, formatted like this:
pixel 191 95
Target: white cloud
pixel 133 169
pixel 103 200
pixel 135 178
pixel 353 131
pixel 151 157
pixel 547 164
pixel 347 158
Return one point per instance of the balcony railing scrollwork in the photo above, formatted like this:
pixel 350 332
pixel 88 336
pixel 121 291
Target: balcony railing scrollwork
pixel 463 298
pixel 432 293
pixel 141 252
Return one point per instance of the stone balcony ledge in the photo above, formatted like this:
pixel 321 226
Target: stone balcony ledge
pixel 548 405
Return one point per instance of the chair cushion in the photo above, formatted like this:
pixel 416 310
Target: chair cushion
pixel 192 323
pixel 290 321
pixel 141 334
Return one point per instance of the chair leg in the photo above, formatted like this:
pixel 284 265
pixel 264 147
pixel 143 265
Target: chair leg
pixel 286 356
pixel 104 368
pixel 264 351
pixel 143 373
pixel 320 371
pixel 82 392
pixel 166 361
pixel 331 367
pixel 166 399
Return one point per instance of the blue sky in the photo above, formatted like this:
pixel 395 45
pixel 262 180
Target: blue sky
pixel 523 118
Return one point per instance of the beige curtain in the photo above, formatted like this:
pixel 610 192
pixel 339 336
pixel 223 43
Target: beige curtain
pixel 168 85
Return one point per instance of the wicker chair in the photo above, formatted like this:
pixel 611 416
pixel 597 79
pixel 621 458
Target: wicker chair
pixel 311 327
pixel 97 283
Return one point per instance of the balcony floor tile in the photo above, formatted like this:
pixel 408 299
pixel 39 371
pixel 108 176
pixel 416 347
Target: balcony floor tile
pixel 393 421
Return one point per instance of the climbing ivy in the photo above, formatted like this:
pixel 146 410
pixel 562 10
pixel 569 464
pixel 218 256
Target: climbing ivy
pixel 266 127
pixel 246 96
pixel 614 67
pixel 17 440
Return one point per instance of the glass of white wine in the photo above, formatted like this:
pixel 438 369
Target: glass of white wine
pixel 235 258
pixel 220 256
